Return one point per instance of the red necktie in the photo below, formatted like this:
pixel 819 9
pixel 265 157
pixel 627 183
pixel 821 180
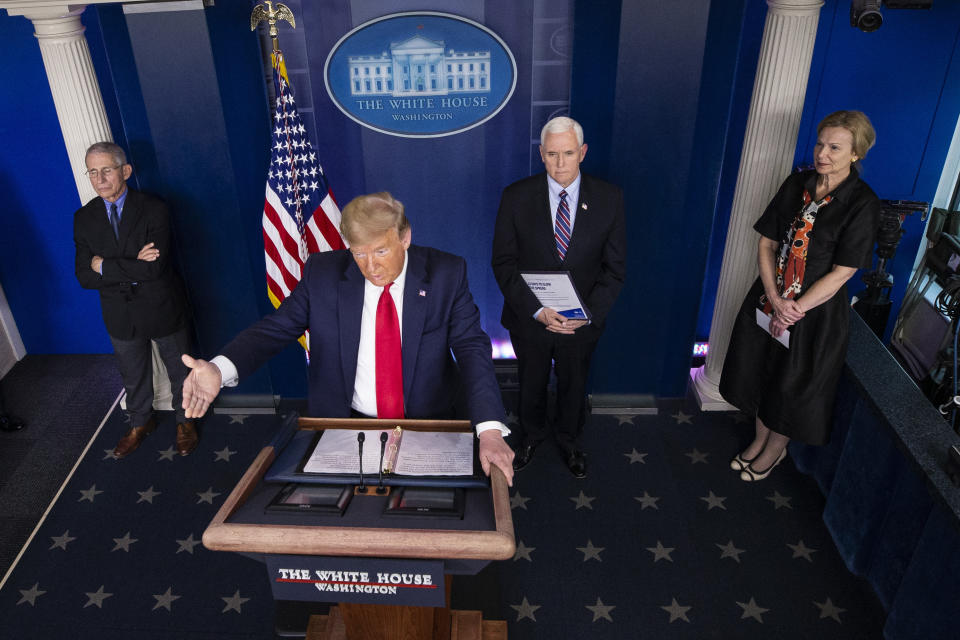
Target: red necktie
pixel 389 365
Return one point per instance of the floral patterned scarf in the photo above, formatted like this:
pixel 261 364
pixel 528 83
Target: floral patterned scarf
pixel 792 259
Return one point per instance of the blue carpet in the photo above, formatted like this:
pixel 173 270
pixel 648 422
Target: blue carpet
pixel 661 540
pixel 119 554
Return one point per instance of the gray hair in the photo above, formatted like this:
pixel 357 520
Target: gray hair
pixel 559 125
pixel 114 150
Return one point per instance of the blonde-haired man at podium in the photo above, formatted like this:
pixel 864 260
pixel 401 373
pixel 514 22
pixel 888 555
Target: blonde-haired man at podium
pixel 393 330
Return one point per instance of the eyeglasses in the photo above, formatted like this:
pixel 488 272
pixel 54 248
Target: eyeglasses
pixel 106 172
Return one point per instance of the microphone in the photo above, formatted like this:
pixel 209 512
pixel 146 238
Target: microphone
pixel 360 438
pixel 383 447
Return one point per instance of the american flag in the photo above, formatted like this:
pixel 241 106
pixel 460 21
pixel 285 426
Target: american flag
pixel 300 215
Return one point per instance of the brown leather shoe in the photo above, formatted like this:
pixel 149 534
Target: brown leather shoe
pixel 187 438
pixel 134 437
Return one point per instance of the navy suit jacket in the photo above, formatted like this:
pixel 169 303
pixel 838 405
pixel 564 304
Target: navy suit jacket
pixel 523 240
pixel 439 317
pixel 139 299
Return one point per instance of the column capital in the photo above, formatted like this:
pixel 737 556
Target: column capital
pixel 795 7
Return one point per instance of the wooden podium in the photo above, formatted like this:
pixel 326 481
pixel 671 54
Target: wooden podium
pixel 493 540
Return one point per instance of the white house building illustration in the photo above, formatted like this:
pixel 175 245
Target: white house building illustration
pixel 418 66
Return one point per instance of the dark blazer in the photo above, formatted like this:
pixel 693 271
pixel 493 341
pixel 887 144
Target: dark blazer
pixel 439 316
pixel 523 241
pixel 138 298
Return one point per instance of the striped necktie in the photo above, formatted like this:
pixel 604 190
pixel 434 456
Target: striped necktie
pixel 561 231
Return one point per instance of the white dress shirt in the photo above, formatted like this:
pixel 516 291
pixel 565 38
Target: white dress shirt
pixel 365 383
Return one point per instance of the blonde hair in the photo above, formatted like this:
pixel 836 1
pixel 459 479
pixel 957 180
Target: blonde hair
pixel 858 124
pixel 370 216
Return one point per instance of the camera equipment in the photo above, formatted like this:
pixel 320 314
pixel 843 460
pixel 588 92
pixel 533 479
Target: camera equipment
pixel 874 303
pixel 865 14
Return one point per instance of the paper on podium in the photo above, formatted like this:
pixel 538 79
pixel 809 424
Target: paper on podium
pixel 415 453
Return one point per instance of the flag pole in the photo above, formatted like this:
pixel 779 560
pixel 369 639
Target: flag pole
pixel 271 14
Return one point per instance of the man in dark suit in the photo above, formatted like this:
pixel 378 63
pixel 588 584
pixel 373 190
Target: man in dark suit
pixel 122 243
pixel 356 305
pixel 561 220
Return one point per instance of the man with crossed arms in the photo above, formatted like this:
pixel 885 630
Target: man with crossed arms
pixel 356 304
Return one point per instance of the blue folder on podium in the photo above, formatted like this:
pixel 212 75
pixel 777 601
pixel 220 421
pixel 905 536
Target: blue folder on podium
pixel 294 445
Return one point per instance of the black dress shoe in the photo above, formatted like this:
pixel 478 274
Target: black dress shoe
pixel 524 456
pixel 577 463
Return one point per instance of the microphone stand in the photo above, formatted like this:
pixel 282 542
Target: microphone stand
pixel 383 447
pixel 360 438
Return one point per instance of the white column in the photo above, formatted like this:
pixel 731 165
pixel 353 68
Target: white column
pixel 73 83
pixel 768 150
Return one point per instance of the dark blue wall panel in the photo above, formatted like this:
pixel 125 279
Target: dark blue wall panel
pixel 669 116
pixel 53 314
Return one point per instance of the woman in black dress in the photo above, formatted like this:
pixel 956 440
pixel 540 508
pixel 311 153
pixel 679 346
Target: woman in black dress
pixel 814 235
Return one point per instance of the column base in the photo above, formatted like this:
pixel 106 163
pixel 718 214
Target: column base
pixel 707 393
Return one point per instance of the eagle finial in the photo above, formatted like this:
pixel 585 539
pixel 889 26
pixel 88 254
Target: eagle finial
pixel 271 13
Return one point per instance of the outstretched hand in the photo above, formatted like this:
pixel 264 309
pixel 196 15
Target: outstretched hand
pixel 201 387
pixel 495 450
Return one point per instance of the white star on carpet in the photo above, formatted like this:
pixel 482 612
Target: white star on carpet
pixel 636 456
pixel 801 550
pixel 730 551
pixel 647 500
pixel 238 418
pixel 779 500
pixel 224 454
pixel 660 552
pixel 108 455
pixel 512 418
pixel 696 456
pixel 233 602
pixel 583 501
pixel 601 610
pixel 148 495
pixel 827 610
pixel 164 600
pixel 752 610
pixel 96 597
pixel 525 609
pixel 187 544
pixel 207 496
pixel 123 543
pixel 166 454
pixel 591 552
pixel 676 611
pixel 30 595
pixel 624 419
pixel 517 501
pixel 523 551
pixel 61 541
pixel 714 501
pixel 682 418
pixel 89 494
